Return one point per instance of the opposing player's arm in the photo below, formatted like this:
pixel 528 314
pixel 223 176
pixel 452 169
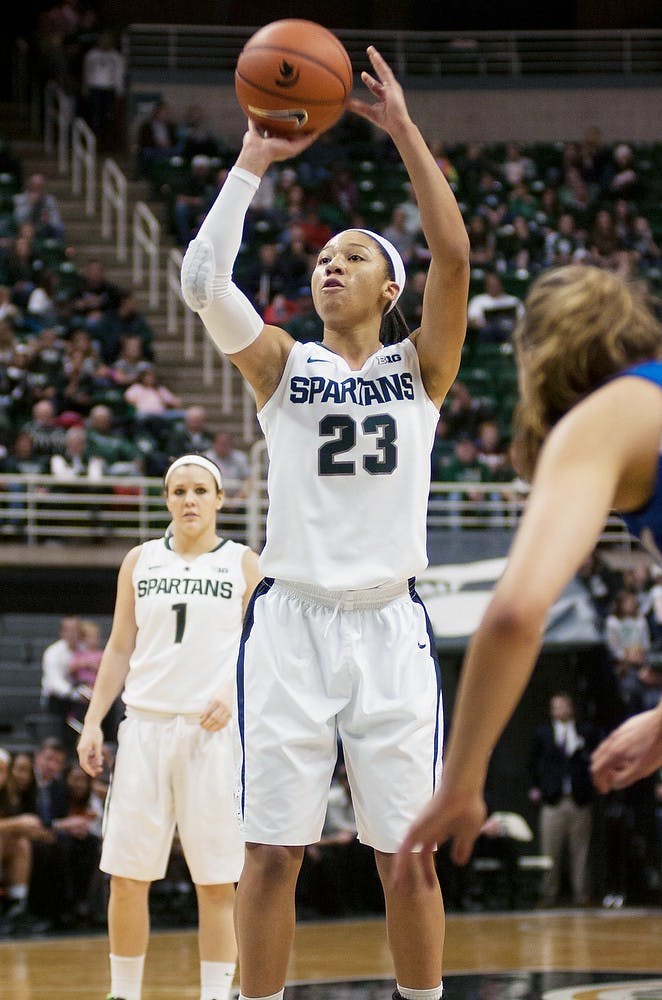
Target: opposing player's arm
pixel 113 668
pixel 444 320
pixel 577 482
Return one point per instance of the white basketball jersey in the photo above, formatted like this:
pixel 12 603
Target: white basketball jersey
pixel 189 617
pixel 349 469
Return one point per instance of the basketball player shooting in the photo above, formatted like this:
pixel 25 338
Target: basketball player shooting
pixel 336 641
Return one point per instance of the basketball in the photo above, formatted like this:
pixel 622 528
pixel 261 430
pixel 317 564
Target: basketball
pixel 293 77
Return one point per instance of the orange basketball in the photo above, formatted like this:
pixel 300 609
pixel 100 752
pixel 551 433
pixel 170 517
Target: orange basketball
pixel 293 76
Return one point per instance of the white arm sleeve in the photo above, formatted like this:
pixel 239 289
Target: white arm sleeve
pixel 207 285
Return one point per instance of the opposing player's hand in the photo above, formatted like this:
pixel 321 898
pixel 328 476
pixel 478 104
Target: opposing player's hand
pixel 90 749
pixel 447 816
pixel 259 149
pixel 631 752
pixel 389 109
pixel 216 715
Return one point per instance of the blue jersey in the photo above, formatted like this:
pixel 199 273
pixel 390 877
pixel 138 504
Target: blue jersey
pixel 646 523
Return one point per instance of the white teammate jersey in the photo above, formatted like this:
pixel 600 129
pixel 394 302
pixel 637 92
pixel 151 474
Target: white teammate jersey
pixel 189 617
pixel 349 469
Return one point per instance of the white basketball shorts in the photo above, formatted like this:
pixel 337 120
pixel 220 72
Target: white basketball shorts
pixel 170 772
pixel 316 665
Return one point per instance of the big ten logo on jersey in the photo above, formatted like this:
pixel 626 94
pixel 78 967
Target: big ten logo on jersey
pixel 388 359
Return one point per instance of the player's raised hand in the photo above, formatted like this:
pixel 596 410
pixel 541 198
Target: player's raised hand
pixel 389 110
pixel 259 149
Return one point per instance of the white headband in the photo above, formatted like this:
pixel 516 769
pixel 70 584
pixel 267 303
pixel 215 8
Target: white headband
pixel 396 260
pixel 5 755
pixel 204 463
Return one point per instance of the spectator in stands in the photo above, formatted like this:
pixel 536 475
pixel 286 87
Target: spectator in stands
pixel 85 660
pixel 157 138
pixel 493 313
pixel 644 244
pixel 620 178
pixel 152 401
pixel 128 364
pixel 400 235
pixel 594 157
pixel 74 460
pixel 20 266
pixel 517 167
pixel 67 860
pixel 411 300
pixel 442 449
pixel 37 206
pixel 102 88
pixel 19 827
pixel 87 896
pixel 628 639
pixel 482 241
pixel 492 451
pixel 57 688
pixel 264 277
pixel 561 781
pixel 191 436
pixel 412 213
pixel 234 466
pixel 47 437
pixel 95 294
pixel 191 204
pixel 107 443
pixel 48 351
pixel 281 310
pixel 463 413
pixel 9 311
pixel 76 384
pixel 24 780
pixel 41 309
pixel 21 458
pixel 465 467
pixel 196 137
pixel 123 319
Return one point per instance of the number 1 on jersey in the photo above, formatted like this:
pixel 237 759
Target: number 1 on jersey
pixel 180 623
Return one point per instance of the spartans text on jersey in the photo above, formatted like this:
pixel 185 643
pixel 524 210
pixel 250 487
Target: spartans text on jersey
pixel 356 390
pixel 184 585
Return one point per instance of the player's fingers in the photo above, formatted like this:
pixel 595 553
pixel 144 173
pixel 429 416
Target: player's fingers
pixel 461 849
pixel 378 62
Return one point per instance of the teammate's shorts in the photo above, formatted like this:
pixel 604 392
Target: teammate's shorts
pixel 169 771
pixel 316 665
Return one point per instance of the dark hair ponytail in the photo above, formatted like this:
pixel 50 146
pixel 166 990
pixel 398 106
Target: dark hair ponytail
pixel 394 327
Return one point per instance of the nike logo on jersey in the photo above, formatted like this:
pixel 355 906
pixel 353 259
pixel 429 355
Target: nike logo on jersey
pixel 158 566
pixel 323 361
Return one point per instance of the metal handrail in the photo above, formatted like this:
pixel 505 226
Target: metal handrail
pixel 439 54
pixel 35 508
pixel 58 116
pixel 84 162
pixel 113 200
pixel 146 242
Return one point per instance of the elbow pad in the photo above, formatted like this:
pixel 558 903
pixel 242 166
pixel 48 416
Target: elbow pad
pixel 197 274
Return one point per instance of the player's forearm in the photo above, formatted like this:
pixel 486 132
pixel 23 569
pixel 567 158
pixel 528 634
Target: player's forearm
pixel 496 670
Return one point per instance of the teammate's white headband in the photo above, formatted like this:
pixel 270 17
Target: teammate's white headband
pixel 5 755
pixel 400 275
pixel 204 463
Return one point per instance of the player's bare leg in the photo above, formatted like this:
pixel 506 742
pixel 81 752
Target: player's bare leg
pixel 414 923
pixel 265 916
pixel 128 916
pixel 216 923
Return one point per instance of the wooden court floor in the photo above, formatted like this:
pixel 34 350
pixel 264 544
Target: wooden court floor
pixel 630 941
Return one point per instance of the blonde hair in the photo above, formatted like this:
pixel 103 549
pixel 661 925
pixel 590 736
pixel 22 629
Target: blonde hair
pixel 581 325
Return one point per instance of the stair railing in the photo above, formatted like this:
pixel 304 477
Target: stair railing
pixel 146 242
pixel 84 163
pixel 113 206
